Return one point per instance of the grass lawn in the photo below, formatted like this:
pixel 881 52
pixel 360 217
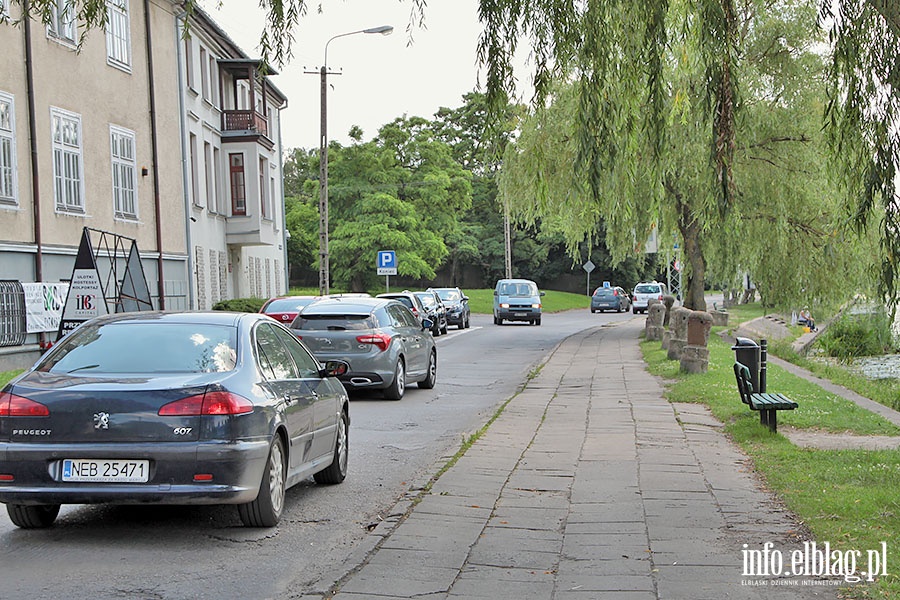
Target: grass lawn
pixel 850 498
pixel 481 300
pixel 5 376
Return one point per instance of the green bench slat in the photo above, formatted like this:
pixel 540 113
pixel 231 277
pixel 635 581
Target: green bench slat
pixel 771 402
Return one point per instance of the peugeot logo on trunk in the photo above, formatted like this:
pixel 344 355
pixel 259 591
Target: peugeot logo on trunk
pixel 101 420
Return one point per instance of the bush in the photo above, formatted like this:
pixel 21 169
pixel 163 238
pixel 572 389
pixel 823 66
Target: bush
pixel 240 305
pixel 858 335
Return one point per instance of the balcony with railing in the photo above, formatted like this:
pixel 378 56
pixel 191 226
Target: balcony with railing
pixel 244 121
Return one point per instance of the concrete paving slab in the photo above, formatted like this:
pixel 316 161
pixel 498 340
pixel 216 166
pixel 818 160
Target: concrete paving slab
pixel 589 485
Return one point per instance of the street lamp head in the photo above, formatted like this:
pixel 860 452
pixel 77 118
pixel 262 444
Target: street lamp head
pixel 383 30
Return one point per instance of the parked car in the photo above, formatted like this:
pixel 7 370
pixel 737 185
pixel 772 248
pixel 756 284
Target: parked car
pixel 171 408
pixel 434 310
pixel 517 300
pixel 285 309
pixel 644 292
pixel 457 305
pixel 410 301
pixel 384 344
pixel 610 298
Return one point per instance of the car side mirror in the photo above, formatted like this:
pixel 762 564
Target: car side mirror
pixel 495 293
pixel 334 368
pixel 427 324
pixel 465 298
pixel 543 293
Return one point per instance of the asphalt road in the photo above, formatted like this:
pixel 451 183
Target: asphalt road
pixel 147 552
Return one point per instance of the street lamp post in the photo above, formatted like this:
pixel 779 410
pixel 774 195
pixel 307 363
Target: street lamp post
pixel 324 267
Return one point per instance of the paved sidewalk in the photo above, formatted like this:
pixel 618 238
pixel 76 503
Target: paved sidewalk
pixel 588 486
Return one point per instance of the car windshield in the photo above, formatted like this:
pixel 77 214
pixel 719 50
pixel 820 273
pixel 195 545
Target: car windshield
pixel 145 348
pixel 449 295
pixel 427 300
pixel 646 289
pixel 518 289
pixel 332 322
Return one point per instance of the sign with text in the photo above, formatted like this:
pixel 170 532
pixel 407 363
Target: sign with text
pixel 386 262
pixel 43 305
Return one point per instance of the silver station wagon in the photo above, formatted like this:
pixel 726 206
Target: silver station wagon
pixel 384 344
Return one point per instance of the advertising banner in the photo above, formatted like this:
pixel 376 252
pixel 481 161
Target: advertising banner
pixel 43 305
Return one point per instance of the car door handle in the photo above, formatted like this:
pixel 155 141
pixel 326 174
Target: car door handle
pixel 288 399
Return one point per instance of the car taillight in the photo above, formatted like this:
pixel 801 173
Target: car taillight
pixel 382 340
pixel 209 403
pixel 660 297
pixel 17 406
pixel 615 292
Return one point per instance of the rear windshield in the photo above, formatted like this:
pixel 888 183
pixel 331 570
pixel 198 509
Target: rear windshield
pixel 287 304
pixel 145 348
pixel 404 300
pixel 605 292
pixel 646 289
pixel 333 322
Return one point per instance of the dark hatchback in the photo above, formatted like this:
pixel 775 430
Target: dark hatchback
pixel 171 408
pixel 610 298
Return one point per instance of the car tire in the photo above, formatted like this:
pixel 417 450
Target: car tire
pixel 619 309
pixel 431 376
pixel 336 472
pixel 444 328
pixel 436 330
pixel 468 324
pixel 634 311
pixel 593 310
pixel 498 321
pixel 398 385
pixel 266 510
pixel 29 516
pixel 537 321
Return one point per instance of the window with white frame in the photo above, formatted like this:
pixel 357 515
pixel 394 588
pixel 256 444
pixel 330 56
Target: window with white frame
pixel 217 180
pixel 213 81
pixel 263 192
pixel 195 173
pixel 118 34
pixel 124 172
pixel 204 74
pixel 189 62
pixel 62 21
pixel 68 163
pixel 210 181
pixel 7 149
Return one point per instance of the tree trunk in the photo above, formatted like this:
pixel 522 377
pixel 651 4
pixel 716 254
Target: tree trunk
pixel 693 252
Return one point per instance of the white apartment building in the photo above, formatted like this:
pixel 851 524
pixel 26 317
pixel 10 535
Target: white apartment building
pixel 233 176
pixel 139 131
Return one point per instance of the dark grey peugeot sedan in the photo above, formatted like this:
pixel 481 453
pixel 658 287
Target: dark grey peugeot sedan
pixel 171 408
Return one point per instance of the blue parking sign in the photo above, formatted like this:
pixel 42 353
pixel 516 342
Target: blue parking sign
pixel 386 262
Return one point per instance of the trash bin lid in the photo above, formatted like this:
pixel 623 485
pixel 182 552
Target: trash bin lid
pixel 743 342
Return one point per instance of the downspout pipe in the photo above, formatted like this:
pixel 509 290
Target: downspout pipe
pixel 154 145
pixel 179 52
pixel 285 234
pixel 32 142
pixel 32 134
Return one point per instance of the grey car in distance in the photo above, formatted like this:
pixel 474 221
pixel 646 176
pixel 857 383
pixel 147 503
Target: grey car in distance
pixel 384 344
pixel 171 408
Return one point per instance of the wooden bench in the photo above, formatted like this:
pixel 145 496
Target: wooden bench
pixel 766 403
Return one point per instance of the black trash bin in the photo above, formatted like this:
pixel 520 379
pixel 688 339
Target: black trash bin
pixel 747 352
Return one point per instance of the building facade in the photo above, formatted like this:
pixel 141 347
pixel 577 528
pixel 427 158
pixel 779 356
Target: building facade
pixel 234 196
pixel 169 140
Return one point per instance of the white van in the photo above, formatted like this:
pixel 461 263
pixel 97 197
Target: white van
pixel 643 292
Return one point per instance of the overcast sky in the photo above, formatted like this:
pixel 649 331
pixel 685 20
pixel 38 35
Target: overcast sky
pixel 383 77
